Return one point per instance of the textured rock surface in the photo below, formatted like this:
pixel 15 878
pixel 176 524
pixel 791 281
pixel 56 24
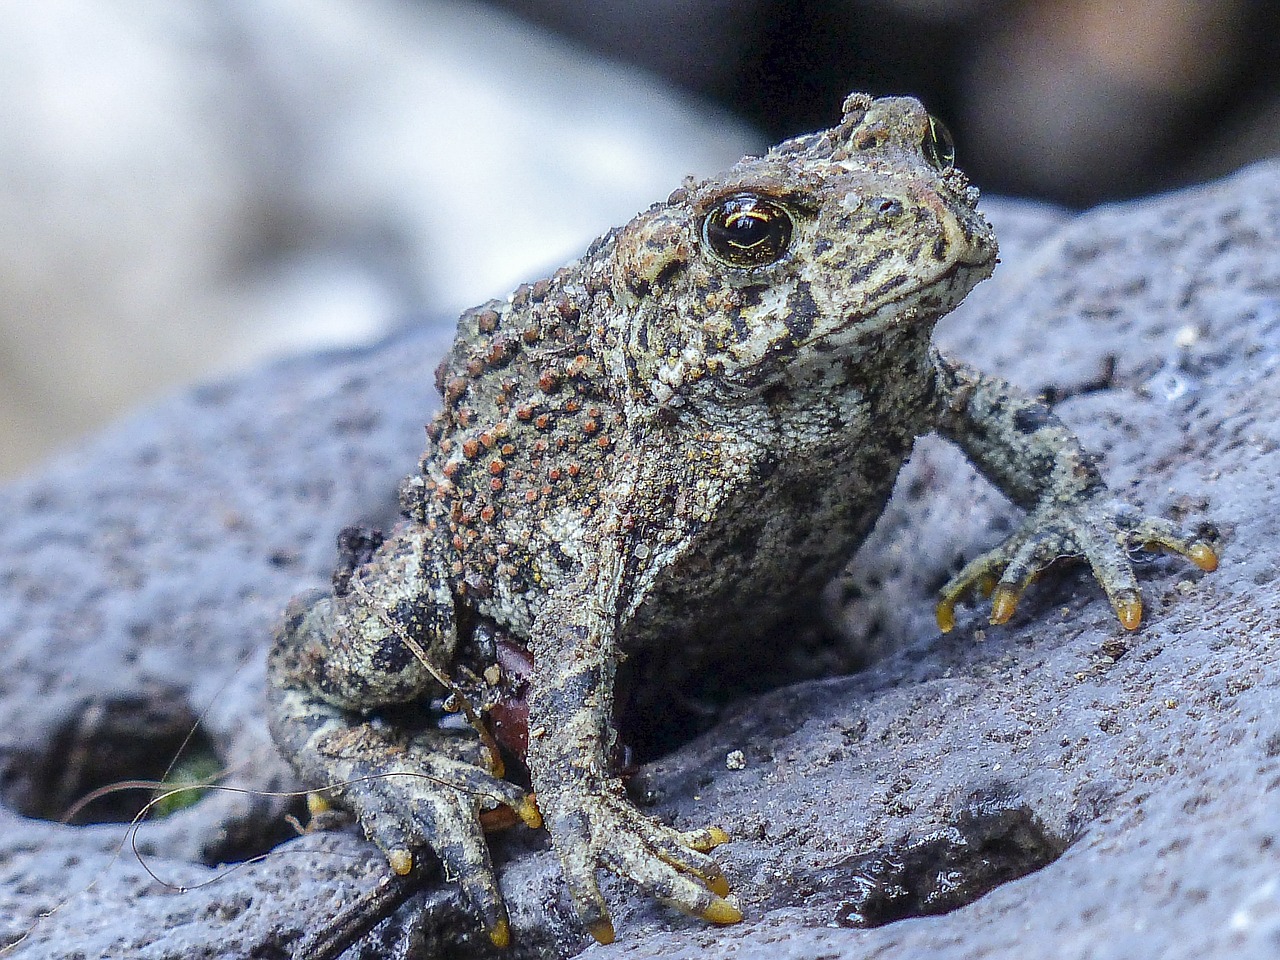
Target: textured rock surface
pixel 1120 793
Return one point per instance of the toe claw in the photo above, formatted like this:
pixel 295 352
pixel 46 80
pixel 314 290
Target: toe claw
pixel 945 613
pixel 1204 557
pixel 706 839
pixel 721 911
pixel 1004 601
pixel 529 813
pixel 1129 610
pixel 500 934
pixel 401 862
pixel 602 931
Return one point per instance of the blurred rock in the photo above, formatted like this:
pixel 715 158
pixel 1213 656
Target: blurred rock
pixel 1074 101
pixel 704 46
pixel 186 187
pixel 1085 100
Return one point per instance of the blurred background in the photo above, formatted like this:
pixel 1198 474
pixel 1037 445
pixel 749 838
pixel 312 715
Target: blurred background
pixel 188 187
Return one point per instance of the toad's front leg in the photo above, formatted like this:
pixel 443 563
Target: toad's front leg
pixel 1037 462
pixel 591 821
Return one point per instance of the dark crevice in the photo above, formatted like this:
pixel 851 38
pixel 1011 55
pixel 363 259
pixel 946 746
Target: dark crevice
pixel 243 838
pixel 107 742
pixel 116 748
pixel 994 840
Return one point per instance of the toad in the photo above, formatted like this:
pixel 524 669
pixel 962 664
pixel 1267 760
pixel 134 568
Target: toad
pixel 644 470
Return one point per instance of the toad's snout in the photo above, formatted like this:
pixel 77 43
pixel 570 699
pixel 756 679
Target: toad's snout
pixel 923 231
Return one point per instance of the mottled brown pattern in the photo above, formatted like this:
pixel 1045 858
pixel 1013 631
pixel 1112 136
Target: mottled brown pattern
pixel 643 470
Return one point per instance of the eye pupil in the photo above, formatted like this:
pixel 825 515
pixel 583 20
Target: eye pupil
pixel 747 230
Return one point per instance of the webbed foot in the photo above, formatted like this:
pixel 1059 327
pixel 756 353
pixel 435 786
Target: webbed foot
pixel 1101 532
pixel 602 828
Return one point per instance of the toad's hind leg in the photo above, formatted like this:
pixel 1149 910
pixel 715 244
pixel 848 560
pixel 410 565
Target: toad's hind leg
pixel 338 657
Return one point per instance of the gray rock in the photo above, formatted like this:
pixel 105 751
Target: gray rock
pixel 1052 788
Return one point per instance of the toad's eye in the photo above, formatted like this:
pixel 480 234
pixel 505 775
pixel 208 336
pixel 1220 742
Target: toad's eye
pixel 747 230
pixel 939 149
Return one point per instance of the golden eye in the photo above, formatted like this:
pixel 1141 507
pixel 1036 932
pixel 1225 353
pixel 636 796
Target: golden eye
pixel 939 149
pixel 747 230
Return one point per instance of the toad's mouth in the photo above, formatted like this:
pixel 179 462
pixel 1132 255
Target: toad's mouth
pixel 925 303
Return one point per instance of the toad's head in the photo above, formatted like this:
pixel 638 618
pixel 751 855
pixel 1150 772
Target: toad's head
pixel 811 254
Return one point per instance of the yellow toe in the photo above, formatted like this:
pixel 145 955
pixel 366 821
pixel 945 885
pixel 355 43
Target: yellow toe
pixel 500 934
pixel 1130 613
pixel 401 861
pixel 602 931
pixel 722 911
pixel 1204 557
pixel 1004 601
pixel 945 613
pixel 704 840
pixel 529 812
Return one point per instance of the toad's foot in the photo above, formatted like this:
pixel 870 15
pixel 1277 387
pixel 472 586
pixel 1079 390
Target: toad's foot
pixel 601 828
pixel 419 799
pixel 1102 532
